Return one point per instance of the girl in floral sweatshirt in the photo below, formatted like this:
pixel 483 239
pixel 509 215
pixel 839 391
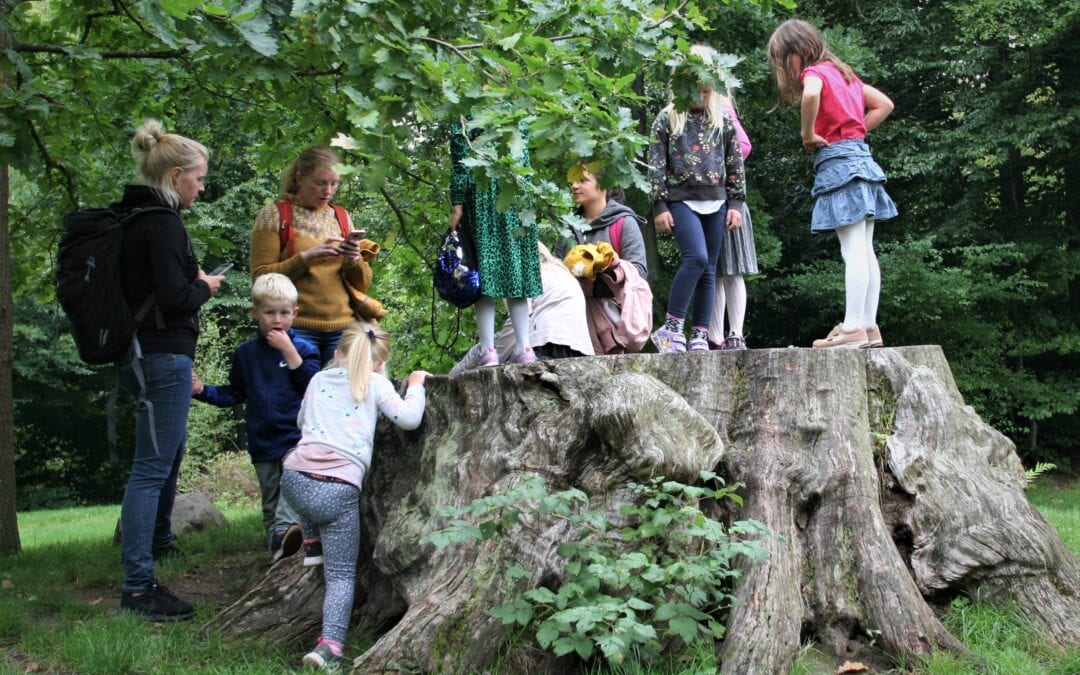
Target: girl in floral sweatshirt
pixel 698 189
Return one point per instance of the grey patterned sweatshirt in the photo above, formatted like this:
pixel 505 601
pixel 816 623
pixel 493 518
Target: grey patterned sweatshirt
pixel 699 164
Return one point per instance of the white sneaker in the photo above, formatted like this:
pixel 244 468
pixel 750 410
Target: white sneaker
pixel 853 338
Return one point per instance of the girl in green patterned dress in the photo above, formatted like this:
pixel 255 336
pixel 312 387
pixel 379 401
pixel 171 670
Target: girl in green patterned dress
pixel 506 252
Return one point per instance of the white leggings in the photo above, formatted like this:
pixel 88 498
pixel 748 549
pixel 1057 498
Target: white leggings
pixel 729 294
pixel 862 276
pixel 519 318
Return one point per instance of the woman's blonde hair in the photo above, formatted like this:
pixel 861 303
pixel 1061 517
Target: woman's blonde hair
pixel 157 153
pixel 310 160
pixel 796 37
pixel 714 114
pixel 362 345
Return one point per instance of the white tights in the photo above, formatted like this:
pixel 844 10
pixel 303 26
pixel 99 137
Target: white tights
pixel 730 294
pixel 519 317
pixel 862 276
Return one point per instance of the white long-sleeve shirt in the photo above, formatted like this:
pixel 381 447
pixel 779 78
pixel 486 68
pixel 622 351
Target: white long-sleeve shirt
pixel 337 433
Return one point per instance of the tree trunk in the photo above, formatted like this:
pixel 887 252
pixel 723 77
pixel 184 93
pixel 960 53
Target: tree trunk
pixel 9 524
pixel 886 489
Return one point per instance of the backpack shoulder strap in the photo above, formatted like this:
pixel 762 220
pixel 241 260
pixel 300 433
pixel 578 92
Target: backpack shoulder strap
pixel 615 233
pixel 285 227
pixel 128 216
pixel 342 219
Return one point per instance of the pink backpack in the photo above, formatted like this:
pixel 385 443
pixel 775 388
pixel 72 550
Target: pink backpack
pixel 615 234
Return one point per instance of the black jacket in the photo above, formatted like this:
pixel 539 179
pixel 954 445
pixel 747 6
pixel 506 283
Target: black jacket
pixel 158 259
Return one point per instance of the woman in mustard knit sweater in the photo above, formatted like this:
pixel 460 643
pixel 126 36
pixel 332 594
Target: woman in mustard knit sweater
pixel 330 270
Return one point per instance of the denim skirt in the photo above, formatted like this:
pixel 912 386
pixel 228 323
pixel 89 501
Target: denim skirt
pixel 849 186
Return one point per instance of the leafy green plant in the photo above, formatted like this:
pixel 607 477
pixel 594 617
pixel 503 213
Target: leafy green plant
pixel 661 571
pixel 1031 475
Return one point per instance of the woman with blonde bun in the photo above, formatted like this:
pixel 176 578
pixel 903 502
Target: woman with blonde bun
pixel 158 261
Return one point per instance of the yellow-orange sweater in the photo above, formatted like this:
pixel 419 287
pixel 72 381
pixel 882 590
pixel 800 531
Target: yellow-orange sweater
pixel 324 299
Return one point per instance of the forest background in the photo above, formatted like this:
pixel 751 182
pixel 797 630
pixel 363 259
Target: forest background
pixel 982 153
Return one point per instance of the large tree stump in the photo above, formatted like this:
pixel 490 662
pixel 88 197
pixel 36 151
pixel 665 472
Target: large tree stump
pixel 885 488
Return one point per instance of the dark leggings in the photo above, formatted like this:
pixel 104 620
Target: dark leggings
pixel 699 238
pixel 330 511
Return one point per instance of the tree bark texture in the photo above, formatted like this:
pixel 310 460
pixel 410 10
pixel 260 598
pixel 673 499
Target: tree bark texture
pixel 9 525
pixel 886 491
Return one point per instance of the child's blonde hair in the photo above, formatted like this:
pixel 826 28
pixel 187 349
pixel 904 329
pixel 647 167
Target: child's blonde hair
pixel 713 112
pixel 273 286
pixel 796 37
pixel 362 345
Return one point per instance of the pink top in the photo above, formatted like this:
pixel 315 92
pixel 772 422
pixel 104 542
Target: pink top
pixel 840 115
pixel 740 133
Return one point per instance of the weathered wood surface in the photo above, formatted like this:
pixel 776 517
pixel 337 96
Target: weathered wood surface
pixel 870 527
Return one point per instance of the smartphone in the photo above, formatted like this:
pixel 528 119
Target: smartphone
pixel 357 235
pixel 221 269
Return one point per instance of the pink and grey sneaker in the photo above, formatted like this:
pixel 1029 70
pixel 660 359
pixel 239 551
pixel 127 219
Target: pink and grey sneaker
pixel 313 554
pixel 488 359
pixel 853 338
pixel 473 359
pixel 524 356
pixel 326 656
pixel 873 337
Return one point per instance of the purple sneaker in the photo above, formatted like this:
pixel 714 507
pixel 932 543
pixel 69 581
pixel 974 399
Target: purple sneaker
pixel 668 341
pixel 699 344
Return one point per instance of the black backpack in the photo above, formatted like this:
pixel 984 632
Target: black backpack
pixel 90 283
pixel 90 288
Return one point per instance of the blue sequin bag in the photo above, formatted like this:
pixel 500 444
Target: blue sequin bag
pixel 456 278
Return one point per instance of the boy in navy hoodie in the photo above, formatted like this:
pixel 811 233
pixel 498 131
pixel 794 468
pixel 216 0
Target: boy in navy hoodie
pixel 270 373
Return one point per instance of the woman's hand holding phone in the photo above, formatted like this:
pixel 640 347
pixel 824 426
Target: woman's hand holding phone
pixel 350 246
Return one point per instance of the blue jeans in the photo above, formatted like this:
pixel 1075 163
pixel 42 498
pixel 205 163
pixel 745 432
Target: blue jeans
pixel 146 514
pixel 699 238
pixel 325 342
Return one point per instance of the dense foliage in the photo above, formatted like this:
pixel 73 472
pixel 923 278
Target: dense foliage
pixel 658 570
pixel 979 151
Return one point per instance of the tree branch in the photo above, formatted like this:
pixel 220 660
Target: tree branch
pixel 52 165
pixel 400 214
pixel 670 14
pixel 454 48
pixel 40 48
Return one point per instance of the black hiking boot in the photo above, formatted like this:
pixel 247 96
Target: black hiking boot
pixel 157 604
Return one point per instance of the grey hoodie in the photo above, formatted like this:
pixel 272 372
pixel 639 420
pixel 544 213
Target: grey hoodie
pixel 632 243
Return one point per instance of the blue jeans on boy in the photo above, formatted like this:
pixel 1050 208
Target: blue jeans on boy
pixel 699 237
pixel 146 514
pixel 325 341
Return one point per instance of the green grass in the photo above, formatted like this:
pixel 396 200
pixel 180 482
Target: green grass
pixel 55 611
pixel 56 600
pixel 999 635
pixel 1060 505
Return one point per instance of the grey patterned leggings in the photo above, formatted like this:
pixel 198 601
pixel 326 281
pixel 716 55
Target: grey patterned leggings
pixel 330 511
